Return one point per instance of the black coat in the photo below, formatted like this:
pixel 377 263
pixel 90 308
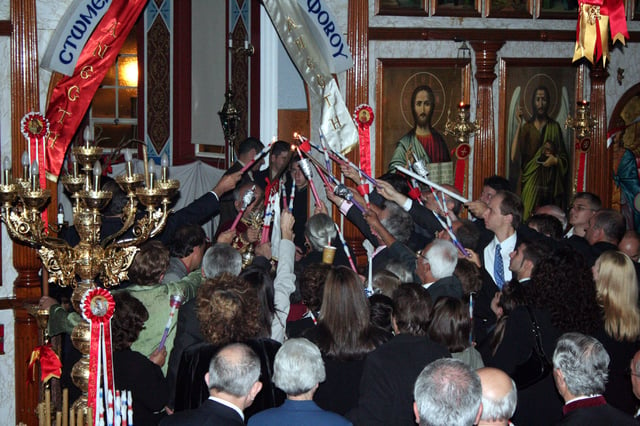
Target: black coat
pixel 209 413
pixel 191 389
pixel 386 388
pixel 596 415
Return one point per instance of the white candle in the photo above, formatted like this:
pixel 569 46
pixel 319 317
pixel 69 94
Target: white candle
pixel 432 184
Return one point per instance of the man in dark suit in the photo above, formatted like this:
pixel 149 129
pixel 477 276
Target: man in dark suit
pixel 435 266
pixel 580 371
pixel 233 385
pixel 391 370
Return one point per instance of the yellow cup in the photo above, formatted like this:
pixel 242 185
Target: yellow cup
pixel 328 253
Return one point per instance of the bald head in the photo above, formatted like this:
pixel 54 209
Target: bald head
pixel 499 396
pixel 630 245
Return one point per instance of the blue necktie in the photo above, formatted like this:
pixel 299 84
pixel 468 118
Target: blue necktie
pixel 498 268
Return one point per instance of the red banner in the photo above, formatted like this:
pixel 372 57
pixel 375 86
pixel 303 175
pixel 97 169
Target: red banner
pixel 71 97
pixel 364 117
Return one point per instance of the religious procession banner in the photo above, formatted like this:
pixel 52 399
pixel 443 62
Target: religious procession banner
pixel 317 48
pixel 72 95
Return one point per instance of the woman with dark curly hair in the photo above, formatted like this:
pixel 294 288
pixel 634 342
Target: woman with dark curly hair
pixel 560 297
pixel 344 336
pixel 228 309
pixel 132 370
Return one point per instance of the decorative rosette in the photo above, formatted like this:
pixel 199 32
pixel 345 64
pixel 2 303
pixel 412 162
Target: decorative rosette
pixel 34 125
pixel 582 146
pixel 97 307
pixel 363 117
pixel 462 153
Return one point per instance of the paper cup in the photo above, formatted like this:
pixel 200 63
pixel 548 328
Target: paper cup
pixel 328 253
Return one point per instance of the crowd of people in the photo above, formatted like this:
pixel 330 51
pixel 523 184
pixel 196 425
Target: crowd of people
pixel 464 314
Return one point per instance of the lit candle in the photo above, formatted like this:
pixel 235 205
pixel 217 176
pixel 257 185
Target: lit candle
pixel 87 135
pixel 35 176
pixel 461 104
pixel 6 171
pixel 25 160
pixel 152 173
pixel 97 172
pixel 127 159
pixel 164 162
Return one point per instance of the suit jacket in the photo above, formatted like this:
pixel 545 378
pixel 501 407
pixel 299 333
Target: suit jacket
pixel 297 413
pixel 191 389
pixel 386 388
pixel 209 413
pixel 447 286
pixel 594 412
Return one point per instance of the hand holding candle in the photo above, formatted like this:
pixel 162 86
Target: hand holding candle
pixel 247 199
pixel 174 303
pixel 256 158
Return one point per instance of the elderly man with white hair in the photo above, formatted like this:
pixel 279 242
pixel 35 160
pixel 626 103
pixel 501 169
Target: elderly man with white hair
pixel 499 397
pixel 435 266
pixel 581 370
pixel 447 393
pixel 297 370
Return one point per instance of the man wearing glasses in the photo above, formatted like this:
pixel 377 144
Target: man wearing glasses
pixel 585 205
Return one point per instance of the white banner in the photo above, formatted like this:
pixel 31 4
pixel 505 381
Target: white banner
pixel 72 33
pixel 298 35
pixel 326 33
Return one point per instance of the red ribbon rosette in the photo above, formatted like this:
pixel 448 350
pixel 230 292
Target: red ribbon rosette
pixel 462 153
pixel 363 116
pixel 50 365
pixel 97 307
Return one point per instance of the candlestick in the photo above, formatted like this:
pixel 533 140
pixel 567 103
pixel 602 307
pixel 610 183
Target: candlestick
pixel 87 135
pixel 127 159
pixel 35 172
pixel 6 171
pixel 345 248
pixel 74 166
pixel 151 170
pixel 229 58
pixel 129 409
pixel 146 165
pixel 97 172
pixel 25 160
pixel 65 407
pixel 164 163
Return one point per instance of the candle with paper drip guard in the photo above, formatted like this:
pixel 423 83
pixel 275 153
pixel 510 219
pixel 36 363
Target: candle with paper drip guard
pixel 342 191
pixel 6 171
pixel 328 253
pixel 174 304
pixel 305 166
pixel 164 163
pixel 247 199
pixel 35 176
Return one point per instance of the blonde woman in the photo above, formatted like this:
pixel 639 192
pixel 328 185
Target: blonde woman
pixel 617 288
